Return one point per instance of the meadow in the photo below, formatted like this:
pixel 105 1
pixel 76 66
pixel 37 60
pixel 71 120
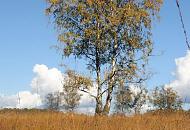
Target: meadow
pixel 50 120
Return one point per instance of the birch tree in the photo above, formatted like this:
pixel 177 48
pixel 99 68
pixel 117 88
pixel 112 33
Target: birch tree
pixel 130 99
pixel 74 82
pixel 113 36
pixel 166 99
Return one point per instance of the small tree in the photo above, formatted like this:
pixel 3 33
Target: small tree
pixel 70 94
pixel 72 84
pixel 130 99
pixel 53 101
pixel 139 99
pixel 123 97
pixel 166 99
pixel 69 98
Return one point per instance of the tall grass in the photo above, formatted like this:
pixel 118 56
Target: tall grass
pixel 48 120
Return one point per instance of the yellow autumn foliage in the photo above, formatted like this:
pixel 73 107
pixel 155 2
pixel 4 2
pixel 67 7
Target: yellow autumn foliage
pixel 54 1
pixel 90 2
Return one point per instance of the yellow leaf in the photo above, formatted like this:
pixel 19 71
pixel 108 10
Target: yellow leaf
pixel 90 2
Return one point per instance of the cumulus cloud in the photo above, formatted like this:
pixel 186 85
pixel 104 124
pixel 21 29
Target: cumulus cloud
pixel 51 80
pixel 46 80
pixel 23 99
pixel 87 103
pixel 182 77
pixel 8 101
pixel 86 99
pixel 26 99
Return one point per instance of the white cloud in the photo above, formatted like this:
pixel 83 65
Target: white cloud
pixel 46 80
pixel 26 99
pixel 182 73
pixel 86 99
pixel 8 101
pixel 23 99
pixel 87 103
pixel 143 100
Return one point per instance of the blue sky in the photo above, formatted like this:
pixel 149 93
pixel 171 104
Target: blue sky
pixel 168 37
pixel 26 37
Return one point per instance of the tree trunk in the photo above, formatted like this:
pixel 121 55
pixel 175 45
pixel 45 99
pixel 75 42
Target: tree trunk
pixel 107 106
pixel 111 83
pixel 98 109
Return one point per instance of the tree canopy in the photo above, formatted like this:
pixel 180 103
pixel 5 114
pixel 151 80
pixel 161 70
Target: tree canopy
pixel 114 36
pixel 166 99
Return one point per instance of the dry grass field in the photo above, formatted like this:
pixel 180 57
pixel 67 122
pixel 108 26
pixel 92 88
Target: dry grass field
pixel 47 120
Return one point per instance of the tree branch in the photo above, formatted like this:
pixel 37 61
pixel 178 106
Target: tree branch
pixel 83 90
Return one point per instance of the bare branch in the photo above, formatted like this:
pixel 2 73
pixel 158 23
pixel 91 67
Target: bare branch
pixel 83 90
